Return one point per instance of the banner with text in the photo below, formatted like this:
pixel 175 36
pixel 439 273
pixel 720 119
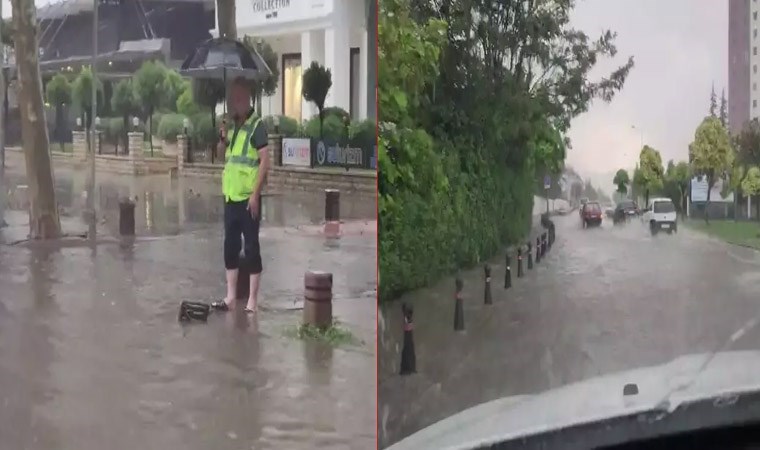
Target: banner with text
pixel 331 154
pixel 296 152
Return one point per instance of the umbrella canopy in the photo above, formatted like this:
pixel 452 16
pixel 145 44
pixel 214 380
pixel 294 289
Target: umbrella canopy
pixel 223 58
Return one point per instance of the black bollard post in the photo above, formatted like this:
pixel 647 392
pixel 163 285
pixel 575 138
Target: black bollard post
pixel 551 234
pixel 408 358
pixel 508 273
pixel 458 307
pixel 487 299
pixel 127 217
pixel 538 249
pixel 530 256
pixel 519 263
pixel 544 243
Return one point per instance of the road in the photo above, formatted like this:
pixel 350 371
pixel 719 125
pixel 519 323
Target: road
pixel 92 355
pixel 603 300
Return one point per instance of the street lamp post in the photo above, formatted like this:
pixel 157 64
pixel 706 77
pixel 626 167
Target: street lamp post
pixel 93 114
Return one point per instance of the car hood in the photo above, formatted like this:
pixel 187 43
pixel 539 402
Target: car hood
pixel 591 400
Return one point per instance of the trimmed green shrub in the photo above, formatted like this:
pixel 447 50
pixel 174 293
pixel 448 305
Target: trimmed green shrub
pixel 289 127
pixel 334 128
pixel 363 134
pixel 170 126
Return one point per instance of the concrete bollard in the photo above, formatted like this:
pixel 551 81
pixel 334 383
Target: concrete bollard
pixel 317 306
pixel 530 256
pixel 487 299
pixel 126 217
pixel 459 307
pixel 519 263
pixel 332 212
pixel 538 250
pixel 408 357
pixel 508 273
pixel 189 311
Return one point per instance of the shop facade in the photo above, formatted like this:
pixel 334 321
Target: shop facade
pixel 333 33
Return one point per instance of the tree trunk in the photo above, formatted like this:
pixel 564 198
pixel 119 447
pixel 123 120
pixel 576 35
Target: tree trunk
pixel 225 15
pixel 707 203
pixel 44 222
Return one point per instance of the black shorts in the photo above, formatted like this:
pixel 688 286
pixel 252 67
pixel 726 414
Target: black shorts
pixel 238 222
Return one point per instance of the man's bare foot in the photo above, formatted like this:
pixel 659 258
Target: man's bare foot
pixel 251 307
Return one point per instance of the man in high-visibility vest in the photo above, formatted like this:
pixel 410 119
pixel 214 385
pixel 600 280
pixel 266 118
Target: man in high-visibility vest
pixel 243 179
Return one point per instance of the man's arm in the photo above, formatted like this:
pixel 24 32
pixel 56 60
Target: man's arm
pixel 260 141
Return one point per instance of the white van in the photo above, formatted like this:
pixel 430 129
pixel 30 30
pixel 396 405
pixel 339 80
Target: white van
pixel 661 215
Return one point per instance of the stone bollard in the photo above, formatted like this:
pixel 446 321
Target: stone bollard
pixel 519 262
pixel 275 145
pixel 182 149
pixel 551 234
pixel 538 250
pixel 127 217
pixel 243 285
pixel 189 311
pixel 459 307
pixel 408 358
pixel 317 306
pixel 332 212
pixel 487 299
pixel 530 255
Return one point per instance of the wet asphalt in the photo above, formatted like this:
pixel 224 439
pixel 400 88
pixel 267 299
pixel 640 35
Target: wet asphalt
pixel 602 300
pixel 92 355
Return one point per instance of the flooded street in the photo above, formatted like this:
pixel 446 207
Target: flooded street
pixel 92 355
pixel 603 300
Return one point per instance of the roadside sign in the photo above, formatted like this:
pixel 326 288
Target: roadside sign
pixel 547 182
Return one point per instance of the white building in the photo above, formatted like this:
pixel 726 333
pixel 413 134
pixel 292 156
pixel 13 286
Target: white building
pixel 331 32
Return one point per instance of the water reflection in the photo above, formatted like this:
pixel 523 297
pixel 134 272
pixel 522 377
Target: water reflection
pixel 170 205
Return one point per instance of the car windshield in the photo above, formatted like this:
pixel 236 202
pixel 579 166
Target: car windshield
pixel 626 205
pixel 664 207
pixel 593 207
pixel 611 111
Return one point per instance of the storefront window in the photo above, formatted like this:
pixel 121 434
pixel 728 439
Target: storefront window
pixel 291 83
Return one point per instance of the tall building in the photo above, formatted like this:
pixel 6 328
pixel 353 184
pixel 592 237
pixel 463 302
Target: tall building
pixel 743 61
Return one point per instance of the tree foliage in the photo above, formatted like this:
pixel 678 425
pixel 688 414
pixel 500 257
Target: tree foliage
pixel 268 85
pixel 751 183
pixel 676 185
pixel 651 172
pixel 317 81
pixel 711 153
pixel 58 90
pixel 124 104
pixel 723 109
pixel 622 181
pixel 148 83
pixel 748 144
pixel 174 85
pixel 81 93
pixel 475 99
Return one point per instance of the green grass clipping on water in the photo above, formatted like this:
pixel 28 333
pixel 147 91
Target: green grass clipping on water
pixel 334 335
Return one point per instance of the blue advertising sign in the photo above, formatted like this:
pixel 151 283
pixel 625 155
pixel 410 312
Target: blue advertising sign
pixel 331 154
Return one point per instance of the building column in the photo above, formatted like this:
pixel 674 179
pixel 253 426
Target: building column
pixel 338 58
pixel 371 59
pixel 364 53
pixel 311 50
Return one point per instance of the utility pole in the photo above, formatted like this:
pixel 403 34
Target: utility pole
pixel 93 133
pixel 2 123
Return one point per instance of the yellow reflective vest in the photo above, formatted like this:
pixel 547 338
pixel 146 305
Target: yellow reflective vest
pixel 241 163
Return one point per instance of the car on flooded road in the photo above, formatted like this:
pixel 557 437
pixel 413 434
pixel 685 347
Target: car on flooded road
pixel 624 211
pixel 661 216
pixel 591 214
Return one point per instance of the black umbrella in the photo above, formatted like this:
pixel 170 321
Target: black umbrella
pixel 223 58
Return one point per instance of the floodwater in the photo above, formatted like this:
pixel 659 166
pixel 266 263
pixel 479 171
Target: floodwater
pixel 603 300
pixel 92 355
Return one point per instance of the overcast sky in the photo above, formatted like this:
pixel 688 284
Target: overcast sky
pixel 680 48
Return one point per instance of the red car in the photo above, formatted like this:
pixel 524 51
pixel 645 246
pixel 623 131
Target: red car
pixel 591 214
